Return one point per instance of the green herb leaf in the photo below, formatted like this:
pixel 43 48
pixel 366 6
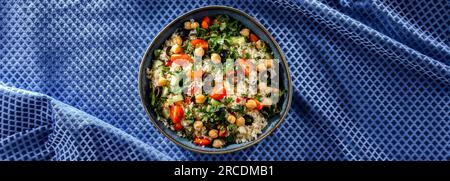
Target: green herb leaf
pixel 223 25
pixel 247 55
pixel 214 27
pixel 202 33
pixel 165 69
pixel 188 48
pixel 258 97
pixel 228 100
pixel 157 53
pixel 238 109
pixel 190 121
pixel 230 138
pixel 231 127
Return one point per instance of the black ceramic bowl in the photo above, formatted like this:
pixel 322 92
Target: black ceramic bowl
pixel 255 27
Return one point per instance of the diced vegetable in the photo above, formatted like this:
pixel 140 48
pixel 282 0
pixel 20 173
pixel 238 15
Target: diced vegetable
pixel 218 92
pixel 165 92
pixel 176 113
pixel 168 63
pixel 205 22
pixel 237 40
pixel 253 37
pixel 200 43
pixel 187 100
pixel 222 26
pixel 177 98
pixel 222 131
pixel 202 141
pixel 180 56
pixel 259 106
pixel 165 112
pixel 178 127
pixel 180 59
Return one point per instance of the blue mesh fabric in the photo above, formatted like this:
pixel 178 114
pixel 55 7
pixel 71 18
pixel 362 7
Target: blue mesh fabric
pixel 371 80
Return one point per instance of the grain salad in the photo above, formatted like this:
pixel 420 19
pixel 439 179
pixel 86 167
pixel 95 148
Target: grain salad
pixel 213 82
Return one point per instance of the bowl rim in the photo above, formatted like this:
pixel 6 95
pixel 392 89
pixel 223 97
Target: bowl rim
pixel 265 31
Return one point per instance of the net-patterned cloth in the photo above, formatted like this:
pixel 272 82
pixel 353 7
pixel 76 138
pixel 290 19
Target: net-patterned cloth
pixel 371 79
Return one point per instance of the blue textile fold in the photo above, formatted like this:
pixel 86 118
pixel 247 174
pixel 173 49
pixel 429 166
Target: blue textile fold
pixel 371 79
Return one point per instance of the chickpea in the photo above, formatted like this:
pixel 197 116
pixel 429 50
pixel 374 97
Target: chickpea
pixel 231 119
pixel 199 52
pixel 187 25
pixel 259 44
pixel 269 63
pixel 177 40
pixel 176 49
pixel 251 104
pixel 242 130
pixel 162 81
pixel 199 99
pixel 240 121
pixel 261 67
pixel 215 58
pixel 213 133
pixel 266 101
pixel 245 32
pixel 218 143
pixel 194 25
pixel 262 87
pixel 198 125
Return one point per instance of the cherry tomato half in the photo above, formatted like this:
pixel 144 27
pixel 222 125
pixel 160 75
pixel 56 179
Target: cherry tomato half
pixel 205 22
pixel 259 106
pixel 218 92
pixel 200 43
pixel 180 59
pixel 178 127
pixel 202 141
pixel 176 113
pixel 253 37
pixel 222 131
